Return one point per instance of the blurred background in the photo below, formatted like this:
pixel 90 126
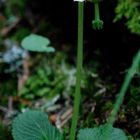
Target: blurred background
pixel 46 81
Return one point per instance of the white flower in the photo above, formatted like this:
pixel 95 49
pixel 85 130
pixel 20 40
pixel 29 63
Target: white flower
pixel 80 0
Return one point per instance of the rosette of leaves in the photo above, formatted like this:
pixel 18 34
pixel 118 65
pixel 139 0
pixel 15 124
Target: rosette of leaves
pixel 37 43
pixel 101 133
pixel 34 125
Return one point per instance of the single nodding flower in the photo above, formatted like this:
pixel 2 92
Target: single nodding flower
pixel 97 23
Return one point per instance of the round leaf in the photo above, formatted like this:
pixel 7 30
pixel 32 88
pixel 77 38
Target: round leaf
pixel 34 125
pixel 37 43
pixel 101 133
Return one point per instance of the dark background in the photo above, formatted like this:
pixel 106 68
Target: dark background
pixel 115 41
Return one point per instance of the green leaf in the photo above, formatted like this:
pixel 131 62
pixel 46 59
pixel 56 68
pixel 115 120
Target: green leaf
pixel 37 43
pixel 34 125
pixel 101 133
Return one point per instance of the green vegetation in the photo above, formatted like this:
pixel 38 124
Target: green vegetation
pixel 48 93
pixel 102 132
pixel 14 7
pixel 129 9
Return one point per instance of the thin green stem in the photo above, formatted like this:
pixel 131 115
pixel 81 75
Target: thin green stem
pixel 77 95
pixel 124 88
pixel 97 12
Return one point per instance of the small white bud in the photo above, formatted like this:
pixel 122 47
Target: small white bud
pixel 80 0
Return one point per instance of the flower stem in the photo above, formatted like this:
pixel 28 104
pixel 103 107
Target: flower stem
pixel 97 13
pixel 124 88
pixel 77 95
